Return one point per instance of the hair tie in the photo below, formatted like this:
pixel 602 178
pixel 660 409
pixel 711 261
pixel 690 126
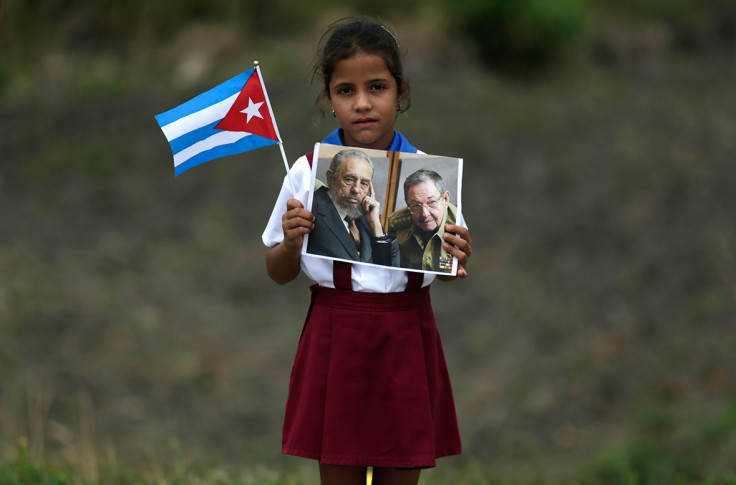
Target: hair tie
pixel 391 34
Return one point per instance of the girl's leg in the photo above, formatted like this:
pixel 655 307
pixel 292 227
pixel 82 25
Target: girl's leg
pixel 393 476
pixel 342 475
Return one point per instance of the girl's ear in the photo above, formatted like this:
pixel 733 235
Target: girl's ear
pixel 402 93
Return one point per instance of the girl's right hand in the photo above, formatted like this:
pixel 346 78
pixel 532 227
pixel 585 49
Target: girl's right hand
pixel 296 222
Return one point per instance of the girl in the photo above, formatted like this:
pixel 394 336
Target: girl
pixel 369 386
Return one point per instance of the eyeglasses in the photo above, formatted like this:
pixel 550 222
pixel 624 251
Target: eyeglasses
pixel 430 205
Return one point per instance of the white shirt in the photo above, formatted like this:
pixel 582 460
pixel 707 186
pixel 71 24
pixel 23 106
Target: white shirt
pixel 365 277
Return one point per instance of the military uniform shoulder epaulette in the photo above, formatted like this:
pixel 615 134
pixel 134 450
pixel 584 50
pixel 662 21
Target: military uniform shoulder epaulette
pixel 401 219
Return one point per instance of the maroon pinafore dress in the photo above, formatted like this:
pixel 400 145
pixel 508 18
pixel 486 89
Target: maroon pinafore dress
pixel 369 385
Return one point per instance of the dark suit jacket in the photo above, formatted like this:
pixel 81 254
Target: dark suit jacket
pixel 330 237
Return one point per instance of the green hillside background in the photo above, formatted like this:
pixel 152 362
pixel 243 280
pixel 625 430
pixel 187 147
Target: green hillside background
pixel 141 340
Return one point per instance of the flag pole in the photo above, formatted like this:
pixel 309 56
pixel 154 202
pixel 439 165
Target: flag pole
pixel 288 172
pixel 281 144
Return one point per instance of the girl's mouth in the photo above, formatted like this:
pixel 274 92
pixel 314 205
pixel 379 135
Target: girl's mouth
pixel 364 121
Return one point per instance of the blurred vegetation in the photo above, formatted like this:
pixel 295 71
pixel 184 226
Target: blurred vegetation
pixel 523 36
pixel 142 342
pixel 25 469
pixel 511 35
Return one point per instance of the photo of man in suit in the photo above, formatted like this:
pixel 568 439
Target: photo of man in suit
pixel 347 224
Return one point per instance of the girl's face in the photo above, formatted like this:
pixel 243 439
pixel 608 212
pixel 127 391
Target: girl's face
pixel 365 96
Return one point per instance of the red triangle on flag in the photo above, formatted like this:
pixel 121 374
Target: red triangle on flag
pixel 250 112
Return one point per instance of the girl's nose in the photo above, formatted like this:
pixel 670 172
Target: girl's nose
pixel 362 102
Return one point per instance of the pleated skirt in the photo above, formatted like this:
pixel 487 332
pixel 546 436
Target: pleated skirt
pixel 369 385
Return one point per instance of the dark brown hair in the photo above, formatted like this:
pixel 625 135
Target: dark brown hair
pixel 346 37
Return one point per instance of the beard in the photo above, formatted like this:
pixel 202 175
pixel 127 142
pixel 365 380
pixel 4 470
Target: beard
pixel 352 211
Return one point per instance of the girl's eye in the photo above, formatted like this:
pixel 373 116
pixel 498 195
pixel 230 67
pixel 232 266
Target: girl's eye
pixel 378 87
pixel 344 90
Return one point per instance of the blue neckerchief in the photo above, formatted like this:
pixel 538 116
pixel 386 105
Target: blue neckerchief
pixel 399 143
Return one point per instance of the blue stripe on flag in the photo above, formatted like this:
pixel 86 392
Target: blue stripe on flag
pixel 188 139
pixel 208 98
pixel 250 142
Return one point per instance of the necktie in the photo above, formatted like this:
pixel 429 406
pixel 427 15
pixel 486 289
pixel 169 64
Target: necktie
pixel 353 231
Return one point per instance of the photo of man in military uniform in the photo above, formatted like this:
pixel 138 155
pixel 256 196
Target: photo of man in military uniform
pixel 419 227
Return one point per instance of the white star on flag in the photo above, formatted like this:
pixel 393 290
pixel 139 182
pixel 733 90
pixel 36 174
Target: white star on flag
pixel 252 110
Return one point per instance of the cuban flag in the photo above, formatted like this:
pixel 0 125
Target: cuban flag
pixel 231 118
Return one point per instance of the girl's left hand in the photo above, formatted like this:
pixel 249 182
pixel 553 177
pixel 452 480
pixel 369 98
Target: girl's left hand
pixel 457 242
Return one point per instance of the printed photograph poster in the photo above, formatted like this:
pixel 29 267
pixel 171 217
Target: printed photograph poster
pixel 383 208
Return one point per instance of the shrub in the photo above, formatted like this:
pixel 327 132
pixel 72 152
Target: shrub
pixel 520 34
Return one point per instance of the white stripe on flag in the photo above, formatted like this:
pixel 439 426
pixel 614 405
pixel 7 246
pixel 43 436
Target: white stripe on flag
pixel 224 138
pixel 199 119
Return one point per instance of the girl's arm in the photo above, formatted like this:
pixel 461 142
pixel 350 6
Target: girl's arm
pixel 457 242
pixel 282 260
